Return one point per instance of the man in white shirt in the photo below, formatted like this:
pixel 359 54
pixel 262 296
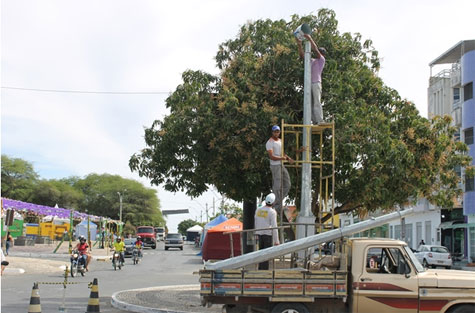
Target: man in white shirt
pixel 2 259
pixel 266 217
pixel 280 175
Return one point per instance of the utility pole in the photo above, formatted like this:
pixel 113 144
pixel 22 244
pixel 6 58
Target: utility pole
pixel 306 216
pixel 207 215
pixel 120 211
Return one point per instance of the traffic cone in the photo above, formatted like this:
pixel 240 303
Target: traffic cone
pixel 93 304
pixel 35 306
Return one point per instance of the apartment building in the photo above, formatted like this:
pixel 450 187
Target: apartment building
pixel 450 92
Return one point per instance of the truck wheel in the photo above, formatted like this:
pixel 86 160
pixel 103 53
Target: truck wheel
pixel 290 308
pixel 464 308
pixel 154 247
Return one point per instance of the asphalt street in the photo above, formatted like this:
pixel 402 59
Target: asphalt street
pixel 158 268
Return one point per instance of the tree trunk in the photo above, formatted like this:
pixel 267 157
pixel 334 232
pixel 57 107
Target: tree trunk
pixel 249 209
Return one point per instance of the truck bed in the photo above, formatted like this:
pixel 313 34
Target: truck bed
pixel 217 286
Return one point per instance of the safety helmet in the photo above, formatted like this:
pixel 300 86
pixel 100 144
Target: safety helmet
pixel 138 237
pixel 270 199
pixel 82 239
pixel 118 239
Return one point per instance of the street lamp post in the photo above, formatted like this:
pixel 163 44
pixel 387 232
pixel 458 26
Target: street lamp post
pixel 120 213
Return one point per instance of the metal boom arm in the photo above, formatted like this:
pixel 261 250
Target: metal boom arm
pixel 304 243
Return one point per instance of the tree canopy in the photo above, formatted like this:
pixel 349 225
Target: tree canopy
pixel 140 205
pixel 386 153
pixel 18 178
pixel 96 194
pixel 185 224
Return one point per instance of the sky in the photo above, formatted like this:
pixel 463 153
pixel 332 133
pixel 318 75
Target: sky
pixel 139 49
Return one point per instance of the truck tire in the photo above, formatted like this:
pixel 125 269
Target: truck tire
pixel 464 308
pixel 154 247
pixel 289 308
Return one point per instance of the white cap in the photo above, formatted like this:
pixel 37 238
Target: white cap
pixel 270 198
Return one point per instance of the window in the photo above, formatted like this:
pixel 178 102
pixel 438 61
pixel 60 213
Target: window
pixel 439 249
pixel 418 232
pixel 456 95
pixel 458 170
pixel 468 91
pixel 386 261
pixel 428 232
pixel 457 136
pixel 469 183
pixel 468 135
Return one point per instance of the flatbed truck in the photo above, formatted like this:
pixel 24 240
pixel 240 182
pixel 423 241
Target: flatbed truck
pixel 373 275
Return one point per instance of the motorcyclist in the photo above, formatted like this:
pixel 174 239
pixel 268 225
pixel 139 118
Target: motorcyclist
pixel 119 247
pixel 139 245
pixel 82 248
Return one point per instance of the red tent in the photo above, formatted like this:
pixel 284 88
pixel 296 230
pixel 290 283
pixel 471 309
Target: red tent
pixel 218 246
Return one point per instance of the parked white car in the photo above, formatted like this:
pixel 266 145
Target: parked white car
pixel 433 256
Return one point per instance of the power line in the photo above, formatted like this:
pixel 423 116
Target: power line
pixel 91 92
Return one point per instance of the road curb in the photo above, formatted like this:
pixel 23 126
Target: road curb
pixel 122 305
pixel 14 270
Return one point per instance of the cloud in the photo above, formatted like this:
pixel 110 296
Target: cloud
pixel 115 45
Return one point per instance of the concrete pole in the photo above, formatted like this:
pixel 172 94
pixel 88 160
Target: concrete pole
pixel 306 215
pixel 71 223
pixel 120 213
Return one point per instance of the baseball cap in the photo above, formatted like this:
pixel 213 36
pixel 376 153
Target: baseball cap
pixel 275 127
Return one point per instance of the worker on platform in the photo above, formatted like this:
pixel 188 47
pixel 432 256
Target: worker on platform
pixel 280 175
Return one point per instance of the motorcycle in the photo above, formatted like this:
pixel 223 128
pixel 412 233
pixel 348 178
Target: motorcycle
pixel 136 256
pixel 78 264
pixel 116 261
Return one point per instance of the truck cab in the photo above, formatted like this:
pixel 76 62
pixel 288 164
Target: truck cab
pixel 148 236
pixel 387 277
pixel 160 231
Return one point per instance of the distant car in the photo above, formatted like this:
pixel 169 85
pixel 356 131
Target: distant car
pixel 129 246
pixel 173 240
pixel 433 256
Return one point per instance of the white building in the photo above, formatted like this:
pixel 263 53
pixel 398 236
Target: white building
pixel 423 225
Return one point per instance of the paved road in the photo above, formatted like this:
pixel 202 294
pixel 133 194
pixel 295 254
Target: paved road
pixel 158 268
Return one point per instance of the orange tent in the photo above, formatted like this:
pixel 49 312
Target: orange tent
pixel 217 246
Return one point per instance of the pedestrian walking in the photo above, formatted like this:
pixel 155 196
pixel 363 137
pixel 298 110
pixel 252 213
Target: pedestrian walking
pixel 266 217
pixel 8 243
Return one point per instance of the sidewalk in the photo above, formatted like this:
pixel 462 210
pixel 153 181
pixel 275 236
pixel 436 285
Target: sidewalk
pixel 165 299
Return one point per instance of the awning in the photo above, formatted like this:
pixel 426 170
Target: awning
pixel 453 225
pixel 455 53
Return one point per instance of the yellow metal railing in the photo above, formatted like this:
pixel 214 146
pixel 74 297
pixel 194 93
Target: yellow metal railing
pixel 326 202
